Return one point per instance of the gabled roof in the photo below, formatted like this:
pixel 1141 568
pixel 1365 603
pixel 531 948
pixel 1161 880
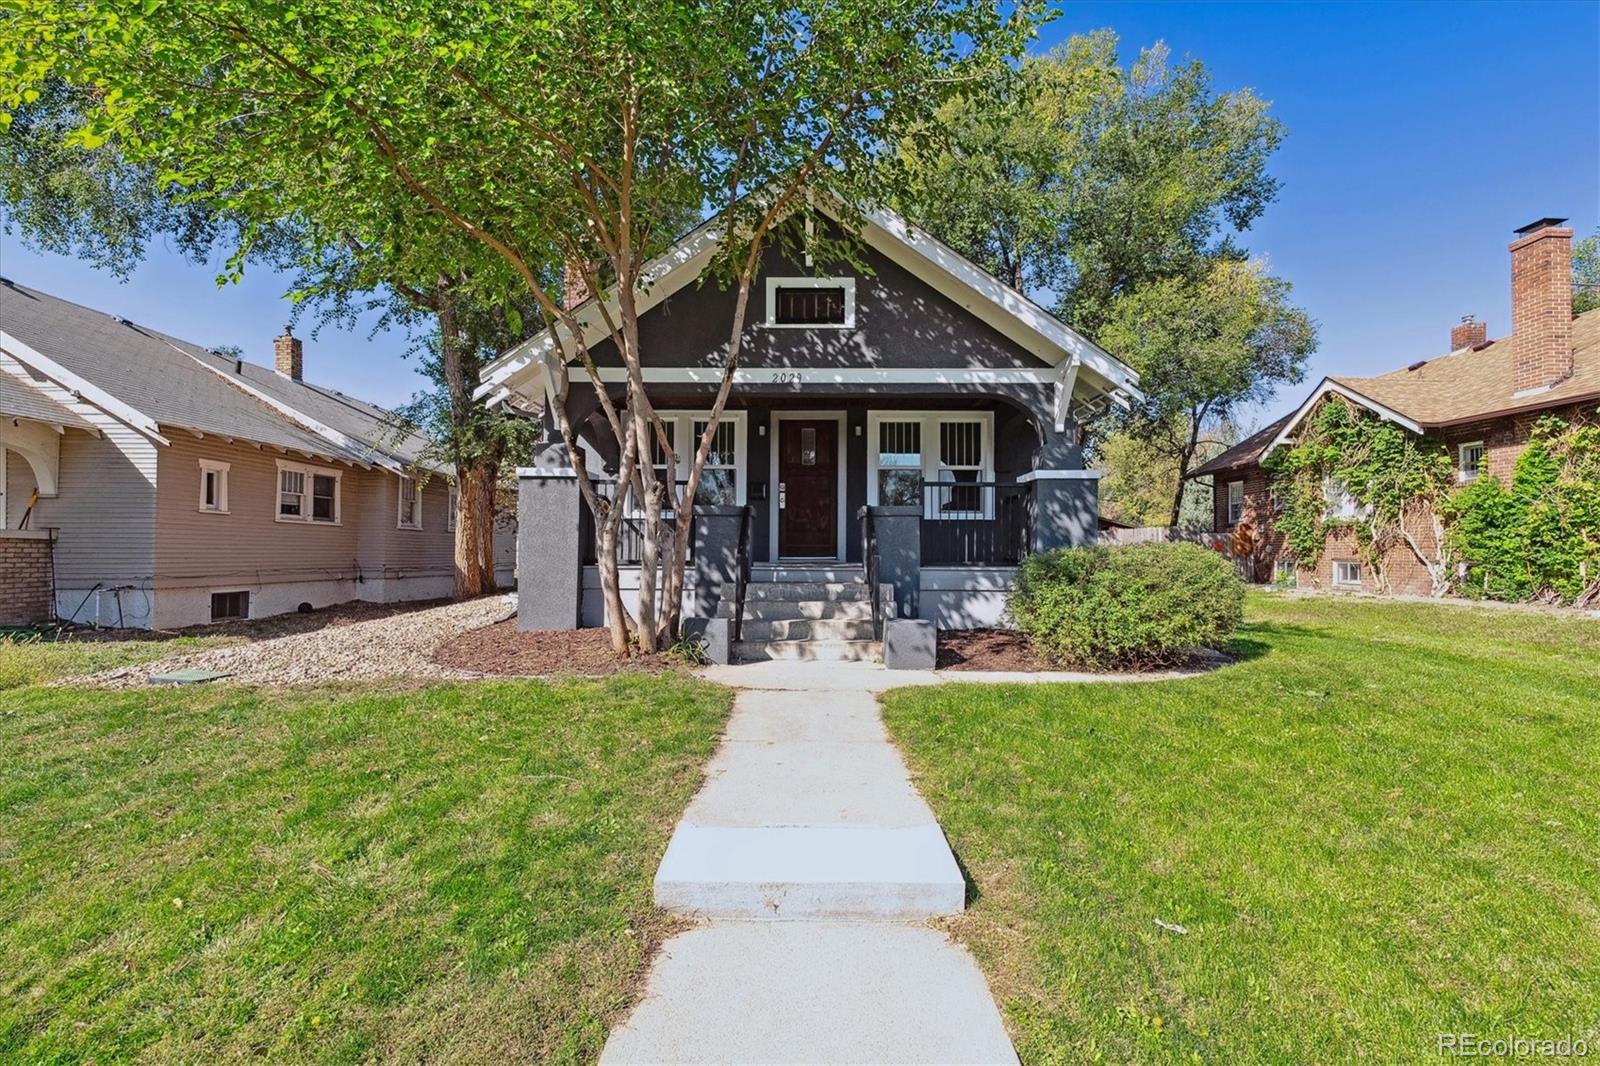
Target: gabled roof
pixel 1246 453
pixel 522 370
pixel 20 397
pixel 136 373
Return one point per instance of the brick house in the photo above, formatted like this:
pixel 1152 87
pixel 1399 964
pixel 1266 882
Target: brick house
pixel 1482 399
pixel 149 482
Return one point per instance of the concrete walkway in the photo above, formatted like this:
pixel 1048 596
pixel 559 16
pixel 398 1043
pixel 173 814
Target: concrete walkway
pixel 815 865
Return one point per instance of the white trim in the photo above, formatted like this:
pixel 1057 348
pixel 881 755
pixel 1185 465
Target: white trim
pixel 930 421
pixel 841 487
pixel 1461 461
pixel 1329 385
pixel 683 421
pixel 400 498
pixel 1235 519
pixel 82 387
pixel 214 466
pixel 846 283
pixel 304 518
pixel 1060 475
pixel 1334 574
pixel 522 370
pixel 828 375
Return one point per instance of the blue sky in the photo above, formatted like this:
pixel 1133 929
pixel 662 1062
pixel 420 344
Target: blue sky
pixel 1419 136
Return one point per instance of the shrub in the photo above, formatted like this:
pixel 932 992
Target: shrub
pixel 1143 605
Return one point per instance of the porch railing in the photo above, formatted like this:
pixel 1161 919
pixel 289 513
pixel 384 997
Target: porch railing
pixel 869 560
pixel 976 523
pixel 741 571
pixel 630 535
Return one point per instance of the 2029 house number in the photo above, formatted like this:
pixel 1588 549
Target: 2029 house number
pixel 786 377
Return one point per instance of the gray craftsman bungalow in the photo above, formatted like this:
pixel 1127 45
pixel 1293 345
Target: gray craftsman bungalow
pixel 916 421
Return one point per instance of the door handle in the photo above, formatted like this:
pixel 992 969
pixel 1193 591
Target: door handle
pixel 782 496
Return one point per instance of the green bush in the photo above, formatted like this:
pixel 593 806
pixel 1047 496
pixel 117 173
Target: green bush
pixel 1138 606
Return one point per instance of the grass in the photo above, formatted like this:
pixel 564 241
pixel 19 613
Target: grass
pixel 33 657
pixel 1379 827
pixel 454 873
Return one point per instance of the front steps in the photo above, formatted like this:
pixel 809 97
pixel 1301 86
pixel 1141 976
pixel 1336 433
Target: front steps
pixel 805 612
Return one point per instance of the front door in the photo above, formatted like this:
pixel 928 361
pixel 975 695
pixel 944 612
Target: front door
pixel 808 488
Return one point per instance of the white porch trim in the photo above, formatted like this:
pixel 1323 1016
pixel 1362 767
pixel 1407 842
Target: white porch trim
pixel 1060 475
pixel 1329 385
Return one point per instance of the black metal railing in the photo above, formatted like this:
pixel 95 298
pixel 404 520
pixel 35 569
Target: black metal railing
pixel 869 562
pixel 976 523
pixel 630 534
pixel 742 570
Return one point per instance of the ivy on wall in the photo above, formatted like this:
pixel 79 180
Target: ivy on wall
pixel 1540 535
pixel 1395 480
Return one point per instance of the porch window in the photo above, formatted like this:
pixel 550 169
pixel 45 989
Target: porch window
pixel 719 478
pixel 961 462
pixel 900 463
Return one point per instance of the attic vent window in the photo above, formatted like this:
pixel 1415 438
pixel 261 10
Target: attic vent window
pixel 811 303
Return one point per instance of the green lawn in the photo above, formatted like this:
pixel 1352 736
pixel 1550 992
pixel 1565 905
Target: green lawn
pixel 1384 824
pixel 454 873
pixel 32 658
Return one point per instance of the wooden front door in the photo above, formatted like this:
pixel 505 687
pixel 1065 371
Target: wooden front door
pixel 808 493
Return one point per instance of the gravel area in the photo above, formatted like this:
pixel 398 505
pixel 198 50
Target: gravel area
pixel 336 645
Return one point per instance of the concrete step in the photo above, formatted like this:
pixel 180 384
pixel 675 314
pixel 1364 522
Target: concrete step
pixel 805 590
pixel 775 610
pixel 754 651
pixel 845 629
pixel 833 871
pixel 779 572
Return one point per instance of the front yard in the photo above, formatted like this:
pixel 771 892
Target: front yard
pixel 452 873
pixel 1382 826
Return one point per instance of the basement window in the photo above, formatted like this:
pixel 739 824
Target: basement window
pixel 226 605
pixel 811 303
pixel 1347 574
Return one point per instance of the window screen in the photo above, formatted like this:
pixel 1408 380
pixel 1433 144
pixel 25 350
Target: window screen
pixel 291 493
pixel 809 306
pixel 229 605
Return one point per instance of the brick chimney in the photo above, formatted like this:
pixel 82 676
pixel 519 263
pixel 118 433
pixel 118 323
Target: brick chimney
pixel 1468 333
pixel 574 290
pixel 1541 305
pixel 287 354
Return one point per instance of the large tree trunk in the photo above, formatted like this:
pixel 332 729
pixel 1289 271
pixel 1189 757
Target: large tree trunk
pixel 474 543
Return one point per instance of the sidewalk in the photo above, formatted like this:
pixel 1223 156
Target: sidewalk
pixel 816 864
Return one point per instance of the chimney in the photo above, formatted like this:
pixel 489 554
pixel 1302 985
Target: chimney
pixel 1541 305
pixel 1469 333
pixel 574 290
pixel 287 354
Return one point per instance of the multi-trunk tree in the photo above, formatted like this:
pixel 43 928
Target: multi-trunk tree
pixel 574 128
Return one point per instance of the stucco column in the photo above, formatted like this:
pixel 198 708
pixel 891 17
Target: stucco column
pixel 716 557
pixel 899 531
pixel 550 565
pixel 1066 508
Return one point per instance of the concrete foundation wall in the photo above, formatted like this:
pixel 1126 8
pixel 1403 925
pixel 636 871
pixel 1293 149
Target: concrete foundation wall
pixel 966 597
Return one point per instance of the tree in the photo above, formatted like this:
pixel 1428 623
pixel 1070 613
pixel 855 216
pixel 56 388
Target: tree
pixel 1205 349
pixel 573 127
pixel 94 203
pixel 1140 473
pixel 1586 274
pixel 1085 179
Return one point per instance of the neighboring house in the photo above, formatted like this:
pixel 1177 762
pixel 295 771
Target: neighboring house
pixel 1481 399
pixel 179 486
pixel 922 389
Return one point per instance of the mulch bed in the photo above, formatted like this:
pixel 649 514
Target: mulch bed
pixel 988 649
pixel 504 650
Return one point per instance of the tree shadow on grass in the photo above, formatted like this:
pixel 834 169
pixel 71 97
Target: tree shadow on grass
pixel 1258 638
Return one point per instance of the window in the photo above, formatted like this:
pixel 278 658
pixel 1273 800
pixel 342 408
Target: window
pixel 1347 573
pixel 1340 504
pixel 1285 572
pixel 1235 502
pixel 213 486
pixel 308 493
pixel 719 478
pixel 900 463
pixel 409 515
pixel 1471 460
pixel 225 605
pixel 939 460
pixel 811 303
pixel 452 507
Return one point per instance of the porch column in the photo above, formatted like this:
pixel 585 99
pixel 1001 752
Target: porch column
pixel 716 558
pixel 1066 497
pixel 549 559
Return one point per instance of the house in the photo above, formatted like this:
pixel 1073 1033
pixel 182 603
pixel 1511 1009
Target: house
pixel 917 415
pixel 146 481
pixel 1481 399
